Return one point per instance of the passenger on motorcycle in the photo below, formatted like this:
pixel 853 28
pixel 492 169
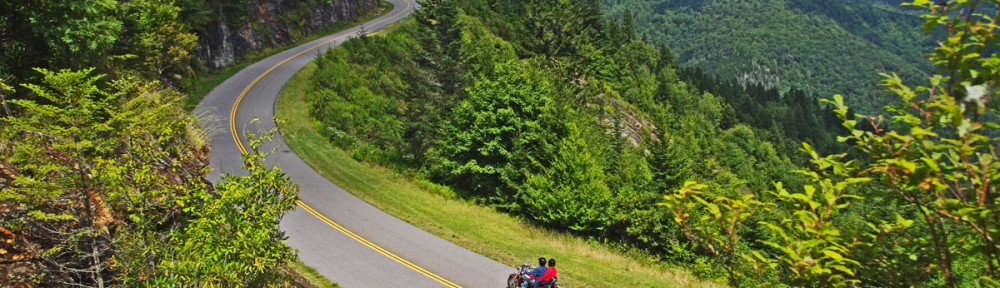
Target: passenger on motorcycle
pixel 550 274
pixel 534 274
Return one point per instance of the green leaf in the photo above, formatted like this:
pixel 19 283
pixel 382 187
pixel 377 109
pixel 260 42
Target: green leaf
pixel 833 255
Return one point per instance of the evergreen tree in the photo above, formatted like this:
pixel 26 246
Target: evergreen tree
pixel 440 36
pixel 628 26
pixel 494 134
pixel 571 193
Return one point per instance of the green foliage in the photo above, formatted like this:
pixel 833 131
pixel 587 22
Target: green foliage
pixel 439 34
pixel 784 120
pixel 105 187
pixel 71 27
pixel 364 106
pixel 718 230
pixel 78 123
pixel 142 37
pixel 932 162
pixel 153 39
pixel 572 192
pixel 494 135
pixel 233 238
pixel 157 41
pixel 361 112
pixel 102 174
pixel 552 29
pixel 811 249
pixel 479 50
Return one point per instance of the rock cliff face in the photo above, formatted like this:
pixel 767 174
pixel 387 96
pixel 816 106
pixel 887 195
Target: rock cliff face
pixel 271 23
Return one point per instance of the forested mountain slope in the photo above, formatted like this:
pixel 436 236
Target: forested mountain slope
pixel 551 111
pixel 820 47
pixel 544 111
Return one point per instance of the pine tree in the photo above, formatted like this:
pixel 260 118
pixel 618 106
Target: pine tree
pixel 628 26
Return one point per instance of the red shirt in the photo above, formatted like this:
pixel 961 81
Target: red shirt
pixel 549 274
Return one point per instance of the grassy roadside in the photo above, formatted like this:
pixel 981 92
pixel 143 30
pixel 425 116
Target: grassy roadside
pixel 208 82
pixel 304 273
pixel 489 233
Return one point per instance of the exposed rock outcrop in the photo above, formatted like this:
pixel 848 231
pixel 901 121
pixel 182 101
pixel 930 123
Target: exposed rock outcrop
pixel 272 23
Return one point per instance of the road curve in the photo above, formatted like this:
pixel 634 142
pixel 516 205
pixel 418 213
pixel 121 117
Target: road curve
pixel 342 237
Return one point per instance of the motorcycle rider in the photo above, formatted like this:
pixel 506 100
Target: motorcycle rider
pixel 534 274
pixel 550 273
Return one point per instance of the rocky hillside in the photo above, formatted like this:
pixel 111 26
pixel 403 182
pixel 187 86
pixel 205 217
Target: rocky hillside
pixel 244 27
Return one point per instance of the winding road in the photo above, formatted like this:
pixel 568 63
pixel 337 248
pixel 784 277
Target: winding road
pixel 342 237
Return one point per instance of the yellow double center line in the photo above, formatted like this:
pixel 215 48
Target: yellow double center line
pixel 338 227
pixel 377 248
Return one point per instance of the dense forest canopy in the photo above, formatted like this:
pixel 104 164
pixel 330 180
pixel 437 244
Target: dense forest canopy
pixel 820 47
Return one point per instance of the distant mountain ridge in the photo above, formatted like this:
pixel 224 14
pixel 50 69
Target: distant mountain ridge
pixel 821 47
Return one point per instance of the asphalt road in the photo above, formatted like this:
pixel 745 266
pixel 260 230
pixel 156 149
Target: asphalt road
pixel 342 237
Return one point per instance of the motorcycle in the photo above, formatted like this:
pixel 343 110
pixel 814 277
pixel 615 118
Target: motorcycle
pixel 516 279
